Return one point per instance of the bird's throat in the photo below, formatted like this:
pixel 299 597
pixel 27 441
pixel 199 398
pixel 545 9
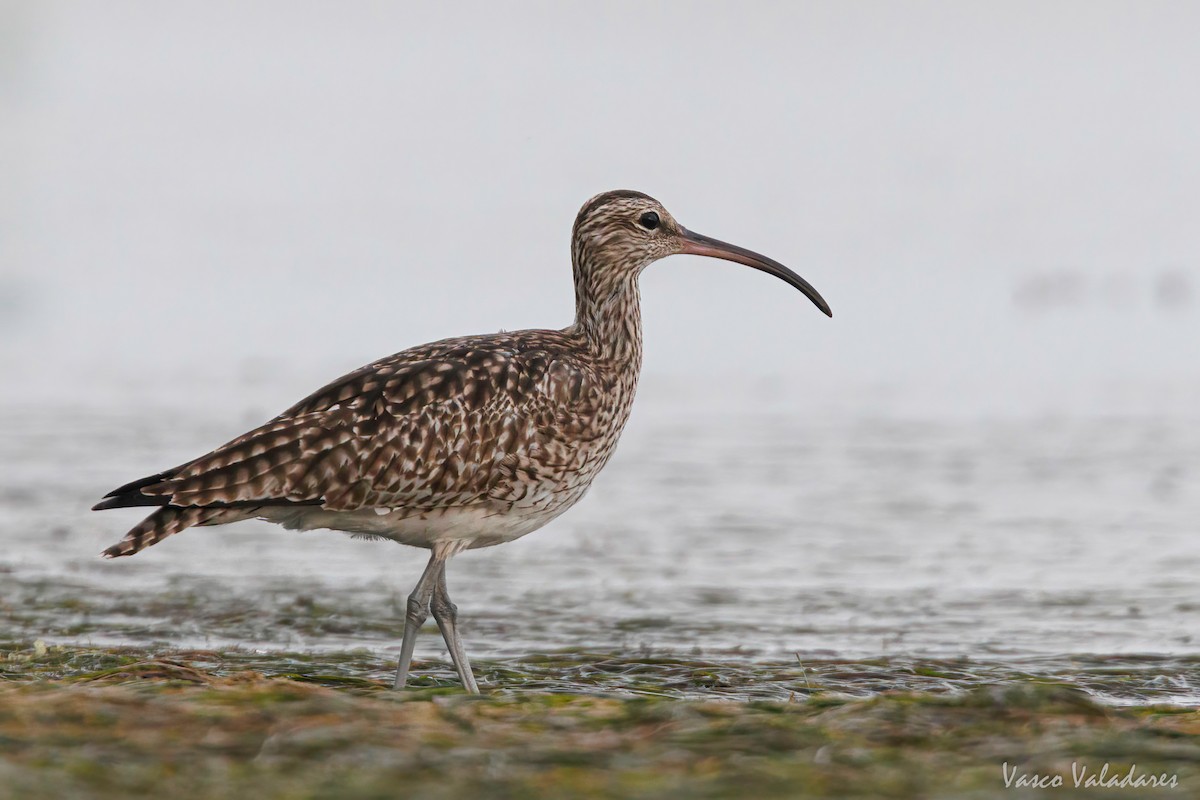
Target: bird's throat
pixel 609 315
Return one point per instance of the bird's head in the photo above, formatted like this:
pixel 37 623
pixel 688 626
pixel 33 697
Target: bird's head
pixel 617 234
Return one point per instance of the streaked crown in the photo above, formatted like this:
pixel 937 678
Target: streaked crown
pixel 623 231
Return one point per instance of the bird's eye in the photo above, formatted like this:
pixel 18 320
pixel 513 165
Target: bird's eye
pixel 649 220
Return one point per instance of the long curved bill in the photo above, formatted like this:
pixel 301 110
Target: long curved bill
pixel 699 245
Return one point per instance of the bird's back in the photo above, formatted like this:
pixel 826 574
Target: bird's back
pixel 453 433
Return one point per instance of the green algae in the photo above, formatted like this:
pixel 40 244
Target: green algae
pixel 129 722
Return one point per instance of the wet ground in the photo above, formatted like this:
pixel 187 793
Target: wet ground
pixel 85 722
pixel 736 551
pixel 740 529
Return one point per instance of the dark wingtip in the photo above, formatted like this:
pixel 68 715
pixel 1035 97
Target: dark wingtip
pixel 129 500
pixel 131 495
pixel 141 483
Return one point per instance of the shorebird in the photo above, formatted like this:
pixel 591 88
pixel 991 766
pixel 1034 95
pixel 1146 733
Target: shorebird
pixel 463 443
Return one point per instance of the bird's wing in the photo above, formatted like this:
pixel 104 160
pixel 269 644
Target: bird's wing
pixel 447 424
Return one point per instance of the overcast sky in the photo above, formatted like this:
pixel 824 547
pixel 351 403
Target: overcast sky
pixel 998 196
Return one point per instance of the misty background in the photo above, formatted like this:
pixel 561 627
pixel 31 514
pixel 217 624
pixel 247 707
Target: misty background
pixel 995 198
pixel 208 210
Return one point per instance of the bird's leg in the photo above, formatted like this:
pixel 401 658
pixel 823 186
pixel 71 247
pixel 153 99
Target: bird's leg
pixel 446 614
pixel 418 610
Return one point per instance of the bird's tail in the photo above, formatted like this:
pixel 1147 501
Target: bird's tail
pixel 158 526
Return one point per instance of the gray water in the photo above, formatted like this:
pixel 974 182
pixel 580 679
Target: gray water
pixel 207 210
pixel 726 527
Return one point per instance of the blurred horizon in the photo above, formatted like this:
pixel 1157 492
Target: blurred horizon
pixel 999 202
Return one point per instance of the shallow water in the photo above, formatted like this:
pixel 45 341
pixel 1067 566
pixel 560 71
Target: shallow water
pixel 734 531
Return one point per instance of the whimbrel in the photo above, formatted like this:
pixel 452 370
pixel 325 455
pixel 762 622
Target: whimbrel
pixel 458 444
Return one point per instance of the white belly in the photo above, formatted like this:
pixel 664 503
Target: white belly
pixel 478 525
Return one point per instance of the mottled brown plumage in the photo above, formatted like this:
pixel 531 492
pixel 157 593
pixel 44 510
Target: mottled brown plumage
pixel 461 443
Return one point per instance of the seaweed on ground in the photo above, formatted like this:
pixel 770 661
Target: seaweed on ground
pixel 96 722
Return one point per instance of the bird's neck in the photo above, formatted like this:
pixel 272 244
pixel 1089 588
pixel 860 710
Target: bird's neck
pixel 608 315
